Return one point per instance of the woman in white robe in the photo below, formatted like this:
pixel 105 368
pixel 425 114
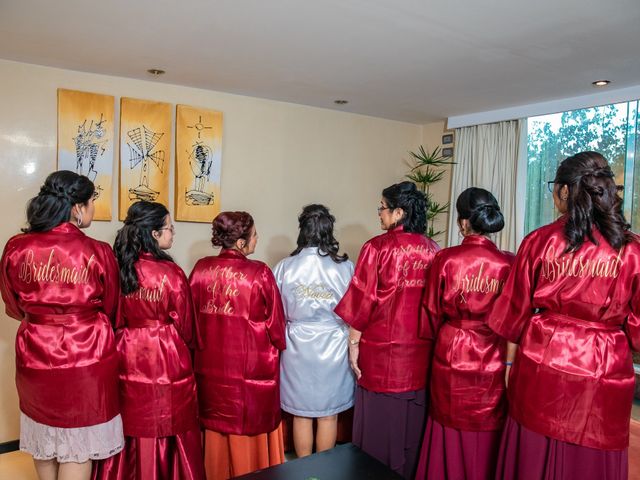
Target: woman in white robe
pixel 316 381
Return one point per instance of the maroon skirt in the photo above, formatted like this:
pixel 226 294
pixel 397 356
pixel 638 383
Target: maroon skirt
pixel 526 455
pixel 167 458
pixel 448 453
pixel 389 427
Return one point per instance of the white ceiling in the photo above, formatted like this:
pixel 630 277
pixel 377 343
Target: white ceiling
pixel 409 60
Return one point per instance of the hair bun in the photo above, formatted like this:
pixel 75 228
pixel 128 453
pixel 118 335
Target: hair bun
pixel 487 207
pixel 228 227
pixel 46 190
pixel 600 172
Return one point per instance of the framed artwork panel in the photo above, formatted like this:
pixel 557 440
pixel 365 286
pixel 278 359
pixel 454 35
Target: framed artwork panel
pixel 145 144
pixel 198 163
pixel 86 142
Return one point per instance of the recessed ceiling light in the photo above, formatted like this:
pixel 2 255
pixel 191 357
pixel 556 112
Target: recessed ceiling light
pixel 341 102
pixel 601 83
pixel 156 72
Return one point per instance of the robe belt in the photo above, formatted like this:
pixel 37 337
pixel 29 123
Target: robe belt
pixel 567 319
pixel 61 318
pixel 148 322
pixel 466 324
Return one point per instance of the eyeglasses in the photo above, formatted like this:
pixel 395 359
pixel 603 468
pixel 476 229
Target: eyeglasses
pixel 380 209
pixel 551 185
pixel 171 228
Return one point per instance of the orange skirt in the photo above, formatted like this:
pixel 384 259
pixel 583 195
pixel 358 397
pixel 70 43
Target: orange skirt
pixel 227 455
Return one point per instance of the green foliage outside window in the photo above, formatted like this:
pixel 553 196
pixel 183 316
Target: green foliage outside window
pixel 610 130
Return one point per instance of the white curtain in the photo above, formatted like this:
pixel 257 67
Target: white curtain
pixel 493 157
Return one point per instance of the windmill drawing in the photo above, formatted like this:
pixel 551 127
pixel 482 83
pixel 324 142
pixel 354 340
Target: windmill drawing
pixel 141 152
pixel 89 144
pixel 200 160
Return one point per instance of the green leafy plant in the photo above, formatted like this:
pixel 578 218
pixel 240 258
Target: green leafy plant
pixel 426 169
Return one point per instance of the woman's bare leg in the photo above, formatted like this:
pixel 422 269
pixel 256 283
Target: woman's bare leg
pixel 303 435
pixel 46 469
pixel 75 471
pixel 327 433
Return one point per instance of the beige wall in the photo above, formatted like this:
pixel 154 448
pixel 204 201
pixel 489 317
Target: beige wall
pixel 276 158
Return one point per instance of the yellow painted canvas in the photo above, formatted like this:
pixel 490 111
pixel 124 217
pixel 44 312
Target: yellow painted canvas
pixel 86 142
pixel 145 143
pixel 198 163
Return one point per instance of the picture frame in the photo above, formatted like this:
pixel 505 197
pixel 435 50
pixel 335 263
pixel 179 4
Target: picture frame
pixel 447 138
pixel 145 143
pixel 447 152
pixel 198 164
pixel 86 142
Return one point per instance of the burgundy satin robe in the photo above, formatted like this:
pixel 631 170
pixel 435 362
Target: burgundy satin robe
pixel 575 317
pixel 383 302
pixel 467 370
pixel 156 328
pixel 64 287
pixel 241 321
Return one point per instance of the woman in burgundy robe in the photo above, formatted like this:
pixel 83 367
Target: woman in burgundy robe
pixel 63 287
pixel 572 304
pixel 382 306
pixel 156 330
pixel 241 319
pixel 468 404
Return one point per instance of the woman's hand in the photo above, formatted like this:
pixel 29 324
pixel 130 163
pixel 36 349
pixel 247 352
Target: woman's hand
pixel 354 352
pixel 512 348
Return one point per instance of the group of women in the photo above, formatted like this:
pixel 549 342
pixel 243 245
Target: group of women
pixel 468 362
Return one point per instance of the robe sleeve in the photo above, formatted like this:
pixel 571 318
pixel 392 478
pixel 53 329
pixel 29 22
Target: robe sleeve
pixel 111 283
pixel 632 324
pixel 358 303
pixel 431 311
pixel 194 285
pixel 11 304
pixel 119 318
pixel 514 307
pixel 274 312
pixel 185 321
pixel 278 273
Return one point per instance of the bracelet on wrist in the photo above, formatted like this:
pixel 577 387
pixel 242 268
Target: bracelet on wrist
pixel 508 364
pixel 353 342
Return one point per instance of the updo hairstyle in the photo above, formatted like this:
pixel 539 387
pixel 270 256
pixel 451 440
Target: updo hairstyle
pixel 481 208
pixel 229 227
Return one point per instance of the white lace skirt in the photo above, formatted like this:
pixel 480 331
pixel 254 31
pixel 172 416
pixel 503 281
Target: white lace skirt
pixel 71 444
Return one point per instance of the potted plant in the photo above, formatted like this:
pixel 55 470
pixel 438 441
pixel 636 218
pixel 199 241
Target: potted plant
pixel 426 170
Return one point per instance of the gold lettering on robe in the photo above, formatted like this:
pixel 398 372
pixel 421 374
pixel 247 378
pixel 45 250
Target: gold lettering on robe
pixel 410 269
pixel 150 294
pixel 572 265
pixel 410 249
pixel 226 273
pixel 318 291
pixel 52 270
pixel 477 282
pixel 222 290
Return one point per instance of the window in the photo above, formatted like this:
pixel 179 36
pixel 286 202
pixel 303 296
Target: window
pixel 611 130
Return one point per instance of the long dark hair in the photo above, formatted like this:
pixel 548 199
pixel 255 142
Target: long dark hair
pixel 316 230
pixel 135 236
pixel 593 200
pixel 52 206
pixel 481 208
pixel 413 202
pixel 229 227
